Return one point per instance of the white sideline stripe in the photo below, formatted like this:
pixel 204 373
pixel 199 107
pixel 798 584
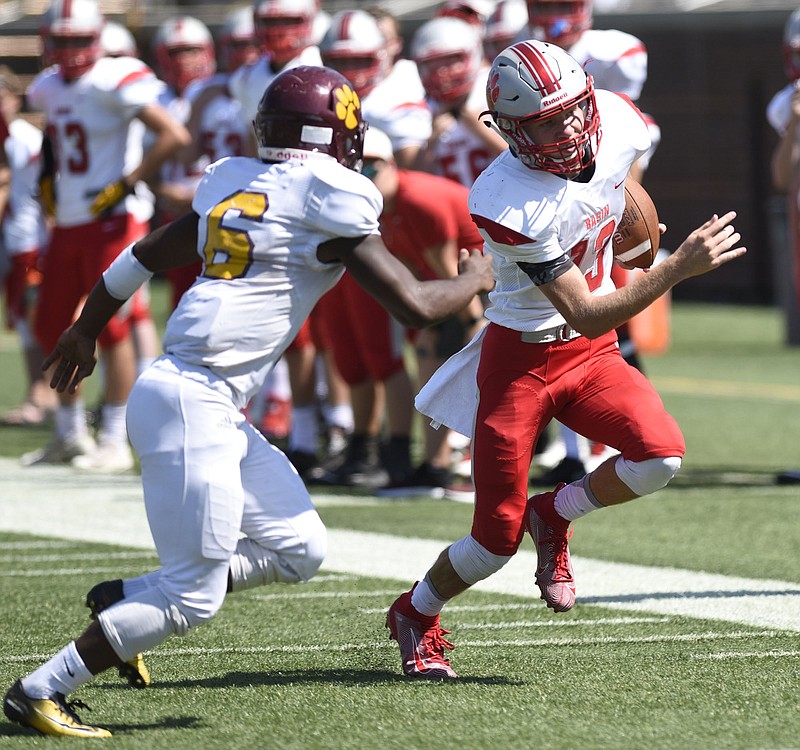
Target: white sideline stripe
pixel 72 572
pixel 379 645
pixel 77 556
pixel 55 501
pixel 746 655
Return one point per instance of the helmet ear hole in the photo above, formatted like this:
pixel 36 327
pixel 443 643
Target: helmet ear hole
pixel 310 110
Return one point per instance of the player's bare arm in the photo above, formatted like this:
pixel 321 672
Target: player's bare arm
pixel 170 136
pixel 708 247
pixel 413 303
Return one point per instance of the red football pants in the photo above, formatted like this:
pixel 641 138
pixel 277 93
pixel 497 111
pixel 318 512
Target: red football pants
pixel 586 385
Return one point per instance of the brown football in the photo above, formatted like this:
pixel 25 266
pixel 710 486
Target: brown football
pixel 636 240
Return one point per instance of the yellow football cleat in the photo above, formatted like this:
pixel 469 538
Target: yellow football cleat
pixel 135 671
pixel 53 716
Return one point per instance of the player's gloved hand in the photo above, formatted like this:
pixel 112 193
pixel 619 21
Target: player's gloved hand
pixel 109 196
pixel 47 194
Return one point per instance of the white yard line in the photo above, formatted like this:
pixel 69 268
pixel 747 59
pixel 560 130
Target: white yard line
pixel 53 501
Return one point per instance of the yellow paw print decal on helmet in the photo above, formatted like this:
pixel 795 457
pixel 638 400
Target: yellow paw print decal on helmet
pixel 347 105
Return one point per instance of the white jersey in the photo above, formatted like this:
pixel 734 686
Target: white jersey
pixel 779 109
pixel 249 82
pixel 616 61
pixel 260 226
pixel 174 170
pixel 397 107
pixel 223 129
pixel 24 227
pixel 459 154
pixel 531 216
pixel 89 122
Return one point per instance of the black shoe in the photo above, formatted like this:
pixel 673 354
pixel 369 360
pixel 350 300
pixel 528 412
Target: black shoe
pixel 361 466
pixel 568 471
pixel 101 597
pixel 789 477
pixel 304 462
pixel 425 480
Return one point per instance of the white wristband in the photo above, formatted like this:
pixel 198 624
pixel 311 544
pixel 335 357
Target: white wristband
pixel 125 275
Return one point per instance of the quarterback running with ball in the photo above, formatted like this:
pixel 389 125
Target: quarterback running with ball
pixel 547 209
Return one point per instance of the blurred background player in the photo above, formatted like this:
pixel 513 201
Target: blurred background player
pixel 285 31
pixel 783 113
pixel 391 92
pixel 23 237
pixel 448 53
pixel 101 206
pixel 117 41
pixel 184 51
pixel 617 61
pixel 505 25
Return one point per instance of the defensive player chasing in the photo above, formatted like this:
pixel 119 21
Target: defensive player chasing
pixel 547 209
pixel 274 235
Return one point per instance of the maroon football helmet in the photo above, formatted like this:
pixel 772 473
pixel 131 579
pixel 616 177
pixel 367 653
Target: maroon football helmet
pixel 310 110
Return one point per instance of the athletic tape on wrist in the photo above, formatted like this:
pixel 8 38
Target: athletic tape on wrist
pixel 125 275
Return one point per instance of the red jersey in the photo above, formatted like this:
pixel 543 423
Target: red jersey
pixel 429 210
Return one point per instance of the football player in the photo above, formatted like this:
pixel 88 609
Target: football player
pixel 449 55
pixel 547 209
pixel 101 205
pixel 274 234
pixel 783 113
pixel 24 237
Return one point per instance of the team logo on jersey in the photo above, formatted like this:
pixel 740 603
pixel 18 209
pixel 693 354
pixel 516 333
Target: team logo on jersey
pixel 347 104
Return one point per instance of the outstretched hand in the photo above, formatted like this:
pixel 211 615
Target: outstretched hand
pixel 710 246
pixel 474 261
pixel 75 356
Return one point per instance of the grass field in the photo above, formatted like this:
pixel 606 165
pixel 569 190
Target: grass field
pixel 685 634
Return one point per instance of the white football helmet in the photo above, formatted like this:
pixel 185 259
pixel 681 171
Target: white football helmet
pixel 284 27
pixel 449 56
pixel 237 43
pixel 531 81
pixel 791 46
pixel 355 46
pixel 504 26
pixel 559 22
pixel 70 30
pixel 474 12
pixel 184 33
pixel 117 41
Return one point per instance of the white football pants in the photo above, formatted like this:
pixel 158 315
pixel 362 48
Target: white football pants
pixel 208 476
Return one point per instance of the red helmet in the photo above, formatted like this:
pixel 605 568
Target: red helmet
pixel 180 34
pixel 310 110
pixel 284 27
pixel 449 56
pixel 355 46
pixel 530 82
pixel 237 41
pixel 559 22
pixel 791 46
pixel 71 33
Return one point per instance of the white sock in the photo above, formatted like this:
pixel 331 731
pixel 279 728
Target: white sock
pixel 113 429
pixel 64 673
pixel 71 420
pixel 339 415
pixel 305 429
pixel 426 600
pixel 576 500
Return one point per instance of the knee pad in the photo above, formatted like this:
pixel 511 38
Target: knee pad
pixel 472 561
pixel 253 564
pixel 645 477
